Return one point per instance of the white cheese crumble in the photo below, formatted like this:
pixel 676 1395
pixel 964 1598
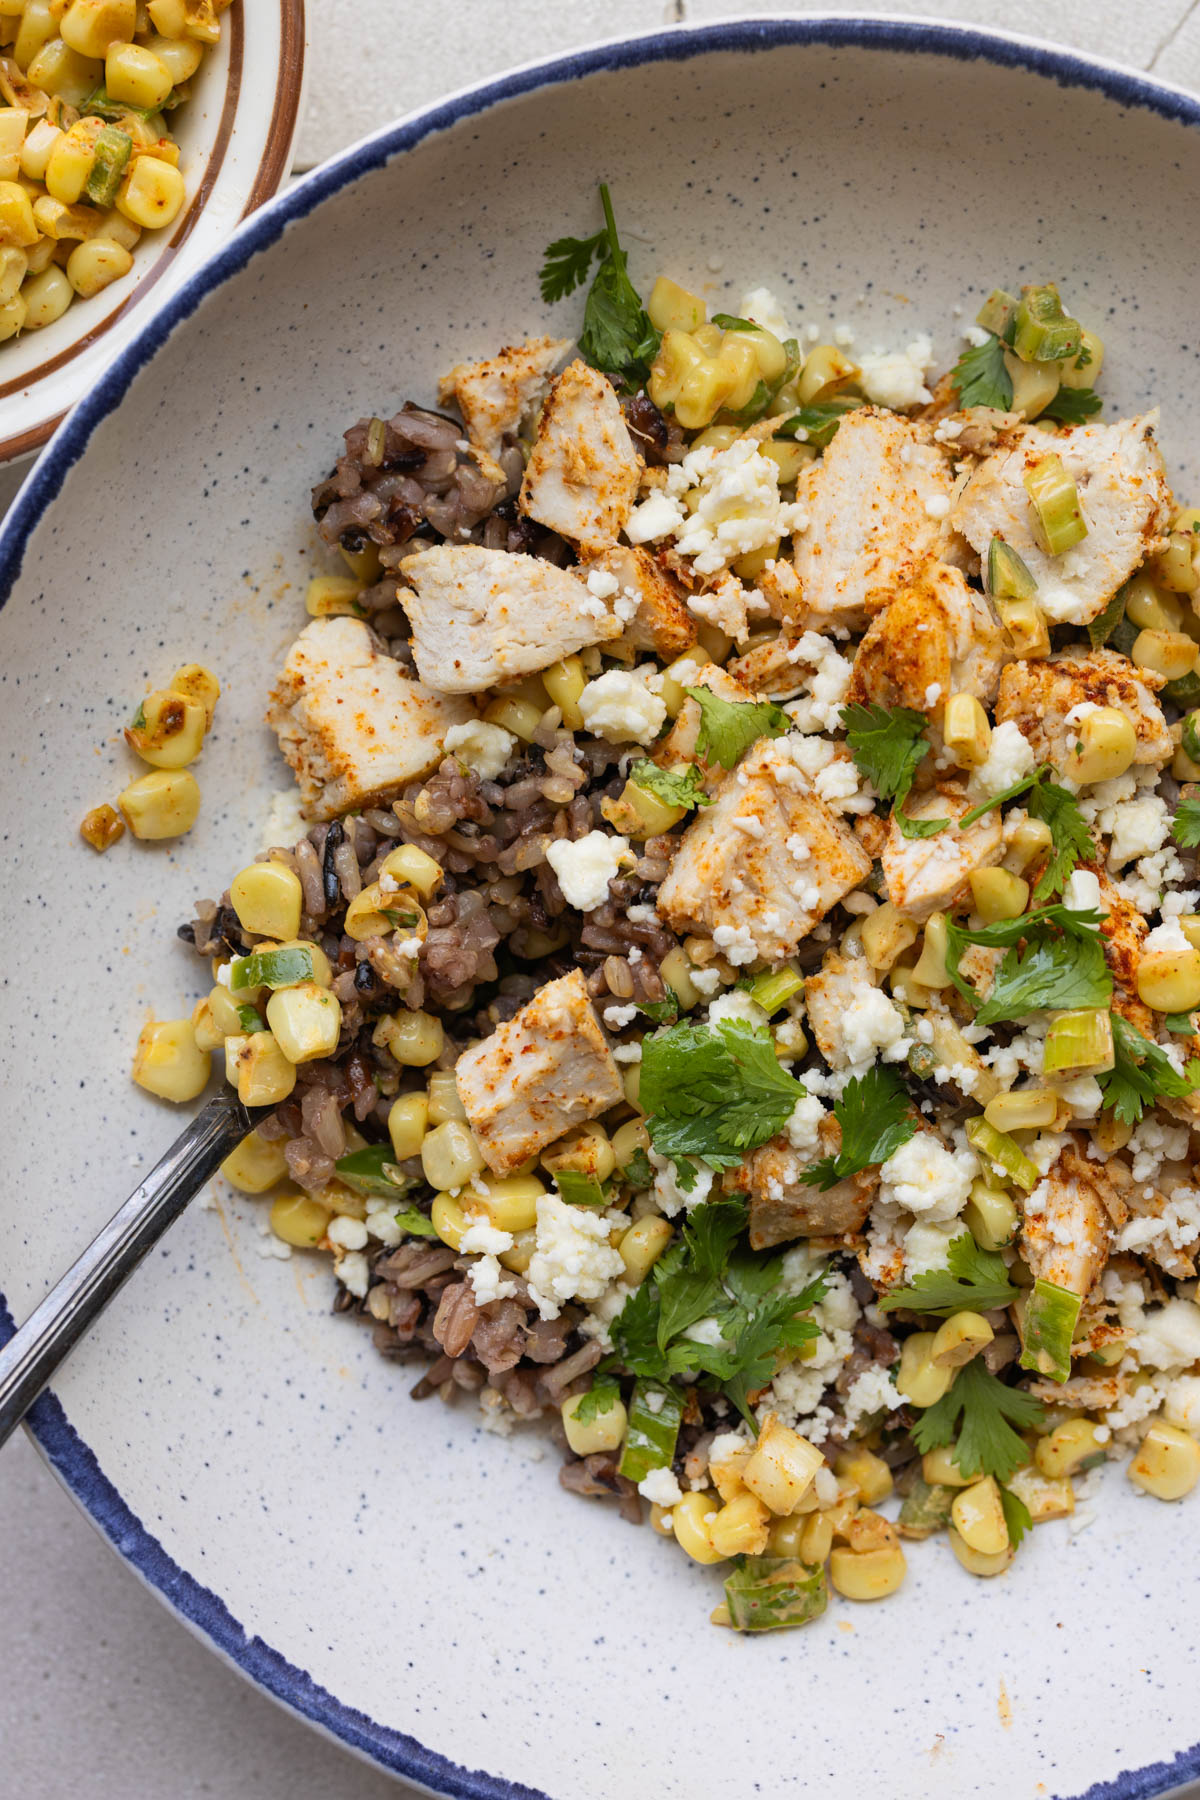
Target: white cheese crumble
pixel 820 709
pixel 760 306
pixel 619 706
pixel 285 824
pixel 572 1258
pixel 927 1179
pixel 585 867
pixel 871 1392
pixel 347 1233
pixel 1010 759
pixel 660 1488
pixel 484 1239
pixel 602 584
pixel 482 747
pixel 871 1024
pixel 490 1282
pixel 803 1125
pixel 1170 1336
pixel 734 501
pixel 1166 939
pixel 896 378
pixel 1082 892
pixel 737 1004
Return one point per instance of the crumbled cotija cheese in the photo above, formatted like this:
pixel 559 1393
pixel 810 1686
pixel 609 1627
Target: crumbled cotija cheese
pixel 585 867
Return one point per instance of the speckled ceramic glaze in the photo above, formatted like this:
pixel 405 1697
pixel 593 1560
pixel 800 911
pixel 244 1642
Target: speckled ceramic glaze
pixel 424 1591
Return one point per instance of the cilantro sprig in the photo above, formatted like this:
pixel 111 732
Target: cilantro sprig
pixel 981 1411
pixel 817 422
pixel 1017 1516
pixel 1054 958
pixel 713 1091
pixel 973 1278
pixel 889 744
pixel 1185 827
pixel 876 1117
pixel 1072 406
pixel 1142 1073
pixel 1056 807
pixel 674 787
pixel 981 377
pixel 728 728
pixel 617 335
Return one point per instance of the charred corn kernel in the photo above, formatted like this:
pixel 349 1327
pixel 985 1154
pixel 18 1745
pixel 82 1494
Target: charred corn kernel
pixel 38 26
pixel 443 1099
pixel 939 1469
pixel 628 1139
pixel 161 805
pixel 168 732
pixel 57 69
pixel 1104 747
pixel 640 813
pixel 299 1220
pixel 825 371
pixel 1031 839
pixel 977 1562
pixel 930 970
pixel 1069 1448
pixel 869 1473
pixel 14 265
pixel 886 934
pixel 169 1062
pixel 197 683
pixel 17 226
pixel 604 1431
pixel 816 1539
pixel 1169 980
pixel 208 1034
pixel 990 1216
pixel 450 1156
pixel 256 1164
pixel 741 1527
pixel 306 1020
pixel 998 894
pixel 135 75
pixel 1178 566
pixel 586 1150
pixel 102 828
pixel 90 26
pixel 966 730
pixel 979 1517
pixel 268 900
pixel 919 1378
pixel 47 297
pixel 257 1067
pixel 448 1220
pixel 1045 1496
pixel 415 1039
pixel 408 1120
pixel 327 596
pixel 1168 1463
pixel 867 1574
pixel 510 1201
pixel 642 1245
pixel 959 1338
pixel 521 717
pixel 673 308
pixel 781 1467
pixel 1026 625
pixel 152 193
pixel 691 1521
pixel 1171 654
pixel 1081 370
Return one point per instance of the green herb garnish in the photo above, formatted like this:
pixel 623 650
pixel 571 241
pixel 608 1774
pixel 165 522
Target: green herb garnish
pixel 1061 965
pixel 981 377
pixel 1016 1515
pixel 816 423
pixel 1142 1073
pixel 973 1279
pixel 1185 827
pixel 600 1398
pixel 373 1170
pixel 875 1113
pixel 271 968
pixel 889 744
pixel 617 335
pixel 1072 406
pixel 713 1091
pixel 674 787
pixel 988 1411
pixel 728 728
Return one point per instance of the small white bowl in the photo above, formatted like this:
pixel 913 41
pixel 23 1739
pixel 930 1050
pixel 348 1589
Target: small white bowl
pixel 235 136
pixel 423 1591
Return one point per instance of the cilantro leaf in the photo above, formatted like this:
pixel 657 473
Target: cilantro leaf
pixel 639 1170
pixel 710 1232
pixel 415 1223
pixel 617 335
pixel 1185 827
pixel 1061 965
pixel 1071 406
pixel 1009 793
pixel 713 1091
pixel 875 1114
pixel 1016 1515
pixel 1142 1073
pixel 567 263
pixel 816 423
pixel 988 1411
pixel 888 744
pixel 1073 842
pixel 1183 1024
pixel 674 787
pixel 578 1189
pixel 600 1398
pixel 729 727
pixel 973 1278
pixel 981 377
pixel 663 1012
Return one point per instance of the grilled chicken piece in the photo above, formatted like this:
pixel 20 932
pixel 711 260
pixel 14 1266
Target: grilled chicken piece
pixel 496 397
pixel 660 620
pixel 541 1072
pixel 937 638
pixel 783 1206
pixel 927 875
pixel 1068 1221
pixel 484 616
pixel 1123 496
pixel 1038 696
pixel 351 723
pixel 582 475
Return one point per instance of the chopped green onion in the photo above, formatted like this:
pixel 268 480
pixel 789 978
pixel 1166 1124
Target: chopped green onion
pixel 1079 1043
pixel 773 991
pixel 579 1189
pixel 994 1146
pixel 271 968
pixel 373 1170
pixel 926 1509
pixel 772 1593
pixel 1055 500
pixel 249 1019
pixel 1047 1328
pixel 1008 578
pixel 997 312
pixel 1042 331
pixel 112 151
pixel 654 1417
pixel 1184 690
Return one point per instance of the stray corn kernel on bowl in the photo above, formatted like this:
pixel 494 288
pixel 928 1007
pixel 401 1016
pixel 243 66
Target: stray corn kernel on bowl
pixel 802 796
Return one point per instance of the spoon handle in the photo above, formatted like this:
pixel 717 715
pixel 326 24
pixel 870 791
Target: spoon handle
pixel 51 1331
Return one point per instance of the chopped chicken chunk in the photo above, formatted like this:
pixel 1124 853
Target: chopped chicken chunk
pixel 1065 1237
pixel 496 397
pixel 935 639
pixel 1039 696
pixel 927 875
pixel 1123 496
pixel 759 867
pixel 352 724
pixel 660 620
pixel 876 503
pixel 784 1206
pixel 541 1072
pixel 582 476
pixel 483 616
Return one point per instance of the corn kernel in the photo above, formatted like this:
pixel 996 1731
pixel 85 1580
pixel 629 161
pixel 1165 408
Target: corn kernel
pixel 179 55
pixel 256 1164
pixel 407 1123
pixel 990 1216
pixel 672 308
pixel 448 1220
pixel 299 1220
pixel 90 26
pixel 966 730
pixel 415 1039
pixel 306 1020
pixel 979 1517
pixel 1168 1463
pixel 151 193
pixel 1171 654
pixel 976 1562
pixel 444 1100
pixel 1026 625
pixel 168 16
pixel 605 1431
pixel 102 828
pixel 365 916
pixel 161 805
pixel 1104 747
pixel 1069 1448
pixel 997 894
pixel 930 970
pixel 939 1469
pixel 70 162
pixel 257 1067
pixel 17 226
pixel 268 900
pixel 564 682
pixel 414 868
pixel 816 1539
pixel 38 26
pixel 886 935
pixel 642 1245
pixel 869 1473
pixel 329 595
pixel 1046 1497
pixel 450 1157
pixel 825 371
pixel 13 123
pixel 867 1574
pixel 1031 839
pixel 169 1062
pixel 960 1338
pixel 169 732
pixel 1169 980
pixel 136 76
pixel 918 1379
pixel 586 1151
pixel 741 1527
pixel 195 682
pixel 47 297
pixel 40 140
pixel 692 1525
pixel 57 69
pixel 510 1202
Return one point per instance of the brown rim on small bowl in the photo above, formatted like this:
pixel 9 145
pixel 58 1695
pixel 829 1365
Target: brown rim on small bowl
pixel 271 171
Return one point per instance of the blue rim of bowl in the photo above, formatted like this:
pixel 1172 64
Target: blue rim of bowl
pixel 71 1458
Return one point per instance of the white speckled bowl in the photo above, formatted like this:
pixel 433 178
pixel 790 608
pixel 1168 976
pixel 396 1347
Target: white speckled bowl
pixel 425 1592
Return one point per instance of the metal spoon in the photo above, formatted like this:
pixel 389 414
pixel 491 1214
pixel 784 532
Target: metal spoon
pixel 51 1331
